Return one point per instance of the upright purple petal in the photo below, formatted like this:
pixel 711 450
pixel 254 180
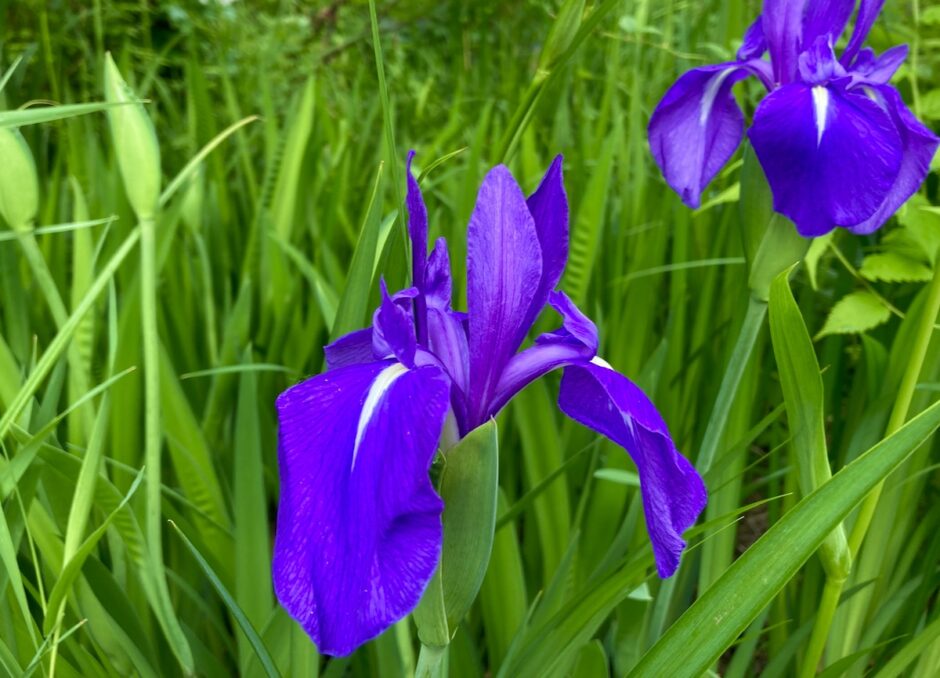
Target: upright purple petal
pixel 504 268
pixel 393 328
pixel 350 349
pixel 754 44
pixel 358 526
pixel 919 146
pixel 574 342
pixel 830 156
pixel 673 493
pixel 438 283
pixel 417 226
pixel 868 11
pixel 783 28
pixel 696 128
pixel 826 18
pixel 418 232
pixel 549 209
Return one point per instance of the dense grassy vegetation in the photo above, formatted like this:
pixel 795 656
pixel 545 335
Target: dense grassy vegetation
pixel 287 127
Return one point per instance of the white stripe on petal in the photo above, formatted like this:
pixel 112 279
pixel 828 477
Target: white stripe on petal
pixel 382 383
pixel 821 110
pixel 711 91
pixel 600 362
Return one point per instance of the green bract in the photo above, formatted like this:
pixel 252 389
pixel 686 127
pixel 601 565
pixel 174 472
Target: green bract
pixel 19 186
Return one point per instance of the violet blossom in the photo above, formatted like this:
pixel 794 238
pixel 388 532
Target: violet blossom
pixel 836 142
pixel 359 522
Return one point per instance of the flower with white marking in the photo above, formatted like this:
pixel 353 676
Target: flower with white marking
pixel 835 140
pixel 359 523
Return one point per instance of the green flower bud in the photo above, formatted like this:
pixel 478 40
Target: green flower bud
pixel 561 34
pixel 135 144
pixel 19 183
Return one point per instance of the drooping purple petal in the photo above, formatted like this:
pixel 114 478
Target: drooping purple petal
pixel 919 146
pixel 696 128
pixel 350 349
pixel 868 11
pixel 826 18
pixel 549 209
pixel 673 493
pixel 504 268
pixel 830 156
pixel 818 64
pixel 783 28
pixel 418 232
pixel 393 330
pixel 754 44
pixel 871 70
pixel 358 528
pixel 574 342
pixel 438 284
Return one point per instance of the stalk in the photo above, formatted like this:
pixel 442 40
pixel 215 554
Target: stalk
pixel 902 404
pixel 731 381
pixel 431 662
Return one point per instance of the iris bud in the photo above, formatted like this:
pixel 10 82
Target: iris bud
pixel 19 183
pixel 561 34
pixel 135 144
pixel 468 486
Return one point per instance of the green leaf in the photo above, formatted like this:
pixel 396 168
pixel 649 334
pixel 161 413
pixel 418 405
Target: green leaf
pixel 74 566
pixel 804 396
pixel 468 486
pixel 893 267
pixel 715 620
pixel 253 638
pixel 855 313
pixel 35 116
pixel 816 250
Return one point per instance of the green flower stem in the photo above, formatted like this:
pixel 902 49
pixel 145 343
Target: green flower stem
pixel 832 591
pixel 747 338
pixel 902 404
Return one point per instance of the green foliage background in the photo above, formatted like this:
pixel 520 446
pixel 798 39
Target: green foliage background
pixel 272 243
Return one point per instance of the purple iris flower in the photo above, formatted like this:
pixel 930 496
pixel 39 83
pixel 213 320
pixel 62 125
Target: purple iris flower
pixel 359 523
pixel 835 140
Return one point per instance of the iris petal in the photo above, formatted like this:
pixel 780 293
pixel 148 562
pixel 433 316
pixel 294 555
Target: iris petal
pixel 871 70
pixel 359 530
pixel 783 28
pixel 549 209
pixel 830 156
pixel 919 146
pixel 574 342
pixel 868 11
pixel 350 349
pixel 673 493
pixel 696 128
pixel 504 268
pixel 827 18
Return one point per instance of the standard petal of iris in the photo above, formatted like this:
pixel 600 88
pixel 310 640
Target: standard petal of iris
pixel 783 29
pixel 830 156
pixel 504 268
pixel 826 18
pixel 919 146
pixel 696 128
pixel 868 11
pixel 358 530
pixel 673 493
pixel 549 209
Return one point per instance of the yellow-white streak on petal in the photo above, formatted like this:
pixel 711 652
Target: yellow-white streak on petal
pixel 382 383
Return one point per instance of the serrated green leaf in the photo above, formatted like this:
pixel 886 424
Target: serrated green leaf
pixel 893 267
pixel 855 313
